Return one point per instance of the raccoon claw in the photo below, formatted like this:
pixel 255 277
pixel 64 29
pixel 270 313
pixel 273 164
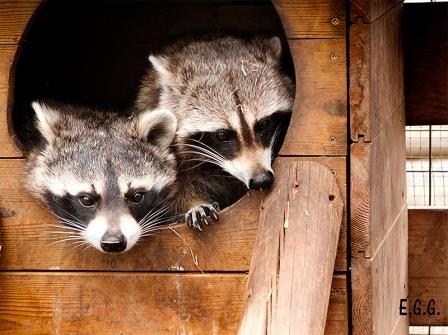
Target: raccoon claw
pixel 202 215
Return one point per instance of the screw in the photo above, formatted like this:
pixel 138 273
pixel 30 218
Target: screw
pixel 335 21
pixel 333 56
pixel 332 140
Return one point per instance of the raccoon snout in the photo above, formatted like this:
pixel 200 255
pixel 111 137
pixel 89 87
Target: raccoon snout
pixel 113 242
pixel 262 180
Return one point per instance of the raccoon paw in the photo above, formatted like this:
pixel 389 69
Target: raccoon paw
pixel 202 214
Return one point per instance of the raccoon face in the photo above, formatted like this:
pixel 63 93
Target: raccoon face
pixel 108 179
pixel 232 103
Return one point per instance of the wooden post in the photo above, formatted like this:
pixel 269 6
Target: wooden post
pixel 293 260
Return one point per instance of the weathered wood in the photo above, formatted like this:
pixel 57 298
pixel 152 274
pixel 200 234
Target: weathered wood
pixel 376 74
pixel 8 147
pixel 426 63
pixel 379 282
pixel 133 303
pixel 378 185
pixel 293 260
pixel 312 19
pixel 428 265
pixel 226 246
pixel 319 122
pixel 14 17
pixel 370 11
pixel 378 195
pixel 378 180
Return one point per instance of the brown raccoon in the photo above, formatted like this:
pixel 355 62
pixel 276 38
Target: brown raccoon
pixel 232 102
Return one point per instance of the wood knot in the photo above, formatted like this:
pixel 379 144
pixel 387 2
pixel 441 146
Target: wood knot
pixel 6 212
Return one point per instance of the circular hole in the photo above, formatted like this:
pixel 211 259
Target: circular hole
pixel 331 197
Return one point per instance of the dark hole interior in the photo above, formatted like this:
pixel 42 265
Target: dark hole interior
pixel 94 53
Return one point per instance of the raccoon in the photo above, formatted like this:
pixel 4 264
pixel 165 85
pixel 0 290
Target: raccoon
pixel 108 178
pixel 232 103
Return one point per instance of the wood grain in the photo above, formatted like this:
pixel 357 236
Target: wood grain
pixel 376 74
pixel 370 11
pixel 226 246
pixel 8 147
pixel 133 303
pixel 426 63
pixel 312 19
pixel 14 17
pixel 319 121
pixel 379 282
pixel 293 259
pixel 378 185
pixel 378 173
pixel 428 264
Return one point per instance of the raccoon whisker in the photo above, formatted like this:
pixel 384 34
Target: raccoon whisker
pixel 195 166
pixel 205 154
pixel 159 212
pixel 200 159
pixel 149 224
pixel 201 162
pixel 208 147
pixel 69 222
pixel 68 227
pixel 74 238
pixel 78 221
pixel 205 148
pixel 72 226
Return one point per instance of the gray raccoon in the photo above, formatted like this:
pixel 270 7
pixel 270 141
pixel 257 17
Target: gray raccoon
pixel 106 177
pixel 231 101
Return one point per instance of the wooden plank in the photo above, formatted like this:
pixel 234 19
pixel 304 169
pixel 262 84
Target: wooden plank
pixel 312 19
pixel 14 17
pixel 296 246
pixel 380 282
pixel 133 303
pixel 226 246
pixel 376 74
pixel 319 121
pixel 378 185
pixel 428 265
pixel 370 11
pixel 426 63
pixel 8 147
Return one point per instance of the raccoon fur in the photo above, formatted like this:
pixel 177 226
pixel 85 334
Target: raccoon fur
pixel 232 103
pixel 107 178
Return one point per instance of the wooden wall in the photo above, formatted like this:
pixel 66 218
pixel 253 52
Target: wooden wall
pixel 377 165
pixel 428 266
pixel 178 281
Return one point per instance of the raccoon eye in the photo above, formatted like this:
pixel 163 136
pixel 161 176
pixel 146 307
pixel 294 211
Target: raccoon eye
pixel 137 197
pixel 222 135
pixel 86 200
pixel 263 125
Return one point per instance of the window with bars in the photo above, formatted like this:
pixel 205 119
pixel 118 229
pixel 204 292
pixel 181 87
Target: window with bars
pixel 427 165
pixel 427 180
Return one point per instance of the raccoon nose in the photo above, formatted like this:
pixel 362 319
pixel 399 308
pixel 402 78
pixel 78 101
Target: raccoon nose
pixel 113 242
pixel 262 180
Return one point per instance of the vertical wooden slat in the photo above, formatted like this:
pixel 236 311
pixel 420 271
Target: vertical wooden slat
pixel 292 264
pixel 378 184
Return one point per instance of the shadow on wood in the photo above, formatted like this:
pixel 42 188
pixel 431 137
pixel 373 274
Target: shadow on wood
pixel 293 259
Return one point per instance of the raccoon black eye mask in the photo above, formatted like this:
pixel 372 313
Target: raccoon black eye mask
pixel 108 179
pixel 232 104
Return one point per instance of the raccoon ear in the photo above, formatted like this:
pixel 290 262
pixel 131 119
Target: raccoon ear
pixel 275 46
pixel 160 65
pixel 46 118
pixel 157 126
